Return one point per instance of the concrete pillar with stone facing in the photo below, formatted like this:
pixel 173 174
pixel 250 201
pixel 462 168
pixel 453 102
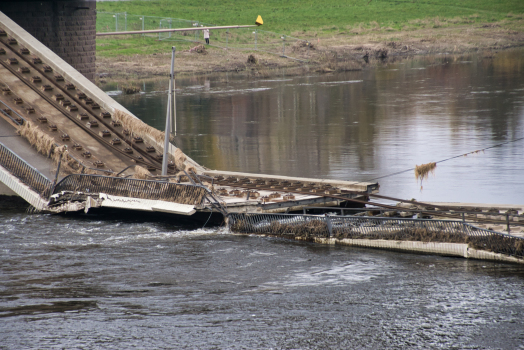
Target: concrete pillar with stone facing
pixel 67 27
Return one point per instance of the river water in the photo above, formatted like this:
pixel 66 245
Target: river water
pixel 130 281
pixel 362 125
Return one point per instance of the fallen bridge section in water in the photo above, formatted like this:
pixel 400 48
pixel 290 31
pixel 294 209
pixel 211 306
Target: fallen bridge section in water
pixel 70 147
pixel 442 237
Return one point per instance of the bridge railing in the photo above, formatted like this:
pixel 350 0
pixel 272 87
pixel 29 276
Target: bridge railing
pixel 24 172
pixel 425 230
pixel 134 188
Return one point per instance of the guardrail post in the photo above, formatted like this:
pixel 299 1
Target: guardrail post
pixel 329 226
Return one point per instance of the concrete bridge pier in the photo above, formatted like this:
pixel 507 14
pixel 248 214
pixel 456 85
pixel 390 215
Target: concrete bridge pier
pixel 67 27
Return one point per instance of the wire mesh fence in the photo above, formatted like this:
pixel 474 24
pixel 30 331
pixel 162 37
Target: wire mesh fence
pixel 310 226
pixel 134 188
pixel 253 39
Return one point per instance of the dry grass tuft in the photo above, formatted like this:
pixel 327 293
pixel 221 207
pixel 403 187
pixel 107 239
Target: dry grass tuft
pixel 138 127
pixel 68 165
pixel 199 49
pixel 422 171
pixel 43 143
pixel 141 173
pixel 180 159
pixel 190 170
pixel 129 90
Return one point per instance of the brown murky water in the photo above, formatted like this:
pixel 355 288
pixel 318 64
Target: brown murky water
pixel 118 282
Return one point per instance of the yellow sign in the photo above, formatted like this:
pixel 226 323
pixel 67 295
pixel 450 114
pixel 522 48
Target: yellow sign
pixel 259 21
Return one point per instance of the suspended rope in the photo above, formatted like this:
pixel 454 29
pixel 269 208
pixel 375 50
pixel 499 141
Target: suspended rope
pixel 445 160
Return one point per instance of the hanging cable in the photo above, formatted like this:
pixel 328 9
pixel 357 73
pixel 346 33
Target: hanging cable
pixel 445 160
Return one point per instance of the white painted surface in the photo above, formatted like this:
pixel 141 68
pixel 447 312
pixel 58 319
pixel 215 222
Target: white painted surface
pixel 110 201
pixel 6 191
pixel 445 249
pixel 22 189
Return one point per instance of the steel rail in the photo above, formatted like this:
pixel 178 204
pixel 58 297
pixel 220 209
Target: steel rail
pixel 445 215
pixel 12 110
pixel 81 103
pixel 66 114
pixel 152 162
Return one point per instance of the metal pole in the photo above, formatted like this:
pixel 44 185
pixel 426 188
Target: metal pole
pixel 167 133
pixel 116 22
pixel 329 226
pixel 125 21
pixel 227 36
pixel 143 27
pixel 173 97
pixel 284 45
pixel 168 115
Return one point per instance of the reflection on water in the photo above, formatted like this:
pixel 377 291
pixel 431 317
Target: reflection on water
pixel 362 125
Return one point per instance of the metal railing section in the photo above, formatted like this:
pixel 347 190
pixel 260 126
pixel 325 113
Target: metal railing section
pixel 134 188
pixel 24 172
pixel 424 230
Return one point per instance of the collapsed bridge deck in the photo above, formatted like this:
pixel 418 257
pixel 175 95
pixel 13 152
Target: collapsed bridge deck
pixel 78 149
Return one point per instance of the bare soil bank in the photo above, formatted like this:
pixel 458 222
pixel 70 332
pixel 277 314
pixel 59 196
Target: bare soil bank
pixel 337 53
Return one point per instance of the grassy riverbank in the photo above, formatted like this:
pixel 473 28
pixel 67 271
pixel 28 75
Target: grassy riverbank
pixel 342 33
pixel 328 16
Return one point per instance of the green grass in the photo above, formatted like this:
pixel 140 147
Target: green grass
pixel 111 47
pixel 289 16
pixel 303 18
